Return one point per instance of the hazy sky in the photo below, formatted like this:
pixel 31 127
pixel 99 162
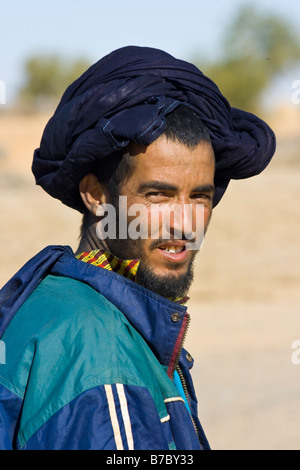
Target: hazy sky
pixel 93 28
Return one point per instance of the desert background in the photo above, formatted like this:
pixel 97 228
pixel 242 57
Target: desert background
pixel 245 298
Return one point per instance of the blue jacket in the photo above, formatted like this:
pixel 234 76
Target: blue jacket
pixel 93 361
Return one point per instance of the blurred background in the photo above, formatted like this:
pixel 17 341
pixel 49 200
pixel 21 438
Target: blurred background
pixel 245 298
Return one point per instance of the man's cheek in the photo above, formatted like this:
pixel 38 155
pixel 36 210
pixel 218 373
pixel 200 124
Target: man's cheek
pixel 138 222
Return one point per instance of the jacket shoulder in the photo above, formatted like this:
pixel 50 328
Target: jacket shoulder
pixel 67 320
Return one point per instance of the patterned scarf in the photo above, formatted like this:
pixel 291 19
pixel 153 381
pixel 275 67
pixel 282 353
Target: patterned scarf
pixel 105 259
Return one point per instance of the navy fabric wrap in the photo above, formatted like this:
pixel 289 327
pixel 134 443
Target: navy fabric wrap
pixel 124 97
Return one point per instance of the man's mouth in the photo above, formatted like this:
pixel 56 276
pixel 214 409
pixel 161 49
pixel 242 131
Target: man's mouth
pixel 174 252
pixel 173 249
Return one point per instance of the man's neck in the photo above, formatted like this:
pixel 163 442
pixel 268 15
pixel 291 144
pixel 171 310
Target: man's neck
pixel 90 241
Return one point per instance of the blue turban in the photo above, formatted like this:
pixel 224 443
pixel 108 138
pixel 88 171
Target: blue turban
pixel 124 97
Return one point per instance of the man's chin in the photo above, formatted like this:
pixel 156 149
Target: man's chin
pixel 170 285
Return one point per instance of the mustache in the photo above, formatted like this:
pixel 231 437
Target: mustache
pixel 189 238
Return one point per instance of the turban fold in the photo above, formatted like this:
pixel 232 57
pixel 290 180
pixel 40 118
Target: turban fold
pixel 124 97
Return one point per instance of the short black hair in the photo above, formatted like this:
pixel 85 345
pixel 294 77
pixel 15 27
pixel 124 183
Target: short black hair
pixel 182 125
pixel 186 127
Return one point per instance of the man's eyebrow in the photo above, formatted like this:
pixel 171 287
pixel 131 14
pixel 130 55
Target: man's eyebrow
pixel 160 185
pixel 204 188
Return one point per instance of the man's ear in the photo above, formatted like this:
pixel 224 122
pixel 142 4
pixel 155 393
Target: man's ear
pixel 92 192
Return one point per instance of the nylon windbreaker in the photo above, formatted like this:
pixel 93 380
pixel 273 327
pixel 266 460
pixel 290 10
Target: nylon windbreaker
pixel 91 362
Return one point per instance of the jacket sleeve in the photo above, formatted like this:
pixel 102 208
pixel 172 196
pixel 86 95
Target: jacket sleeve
pixel 107 417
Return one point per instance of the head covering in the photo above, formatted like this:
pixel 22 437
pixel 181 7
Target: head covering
pixel 124 97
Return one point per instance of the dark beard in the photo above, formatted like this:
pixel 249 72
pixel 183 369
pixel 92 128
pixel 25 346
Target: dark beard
pixel 169 286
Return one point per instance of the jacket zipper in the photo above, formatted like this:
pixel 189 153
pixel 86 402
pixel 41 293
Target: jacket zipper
pixel 181 345
pixel 184 386
pixel 176 367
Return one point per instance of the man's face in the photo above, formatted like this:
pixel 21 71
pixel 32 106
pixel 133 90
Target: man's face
pixel 167 173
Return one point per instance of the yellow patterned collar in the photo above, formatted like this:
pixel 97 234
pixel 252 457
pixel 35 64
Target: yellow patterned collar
pixel 105 259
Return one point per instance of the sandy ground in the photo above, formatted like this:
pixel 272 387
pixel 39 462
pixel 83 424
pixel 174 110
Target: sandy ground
pixel 245 298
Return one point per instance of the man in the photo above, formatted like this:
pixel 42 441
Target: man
pixel 94 340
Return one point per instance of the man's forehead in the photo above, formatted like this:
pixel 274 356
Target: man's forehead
pixel 165 147
pixel 166 161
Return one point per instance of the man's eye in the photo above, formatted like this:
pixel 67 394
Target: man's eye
pixel 203 196
pixel 156 194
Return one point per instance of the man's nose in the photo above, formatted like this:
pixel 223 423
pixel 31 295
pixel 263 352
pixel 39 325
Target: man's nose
pixel 185 220
pixel 181 219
